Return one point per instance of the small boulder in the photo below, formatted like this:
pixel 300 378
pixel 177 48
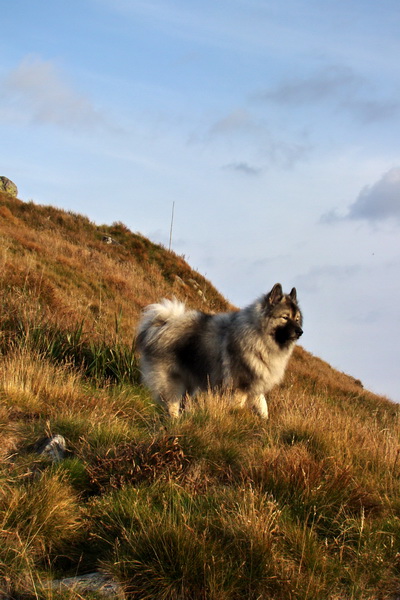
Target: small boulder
pixel 107 239
pixel 85 584
pixel 8 186
pixel 54 447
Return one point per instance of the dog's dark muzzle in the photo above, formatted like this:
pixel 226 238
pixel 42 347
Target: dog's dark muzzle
pixel 298 331
pixel 288 333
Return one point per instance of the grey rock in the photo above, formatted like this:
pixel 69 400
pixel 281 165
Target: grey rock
pixel 180 281
pixel 6 185
pixel 93 582
pixel 54 447
pixel 198 289
pixel 107 239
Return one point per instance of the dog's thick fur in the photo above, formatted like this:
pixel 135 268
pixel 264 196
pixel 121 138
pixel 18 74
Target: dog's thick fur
pixel 184 351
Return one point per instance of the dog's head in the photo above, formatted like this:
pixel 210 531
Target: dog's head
pixel 283 315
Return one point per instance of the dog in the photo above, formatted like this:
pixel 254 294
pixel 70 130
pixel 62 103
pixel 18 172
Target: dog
pixel 186 351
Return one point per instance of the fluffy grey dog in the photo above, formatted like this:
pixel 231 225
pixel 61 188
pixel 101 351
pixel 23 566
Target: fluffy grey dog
pixel 185 351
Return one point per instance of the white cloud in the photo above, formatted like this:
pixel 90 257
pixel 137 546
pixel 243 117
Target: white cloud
pixel 375 203
pixel 379 201
pixel 35 91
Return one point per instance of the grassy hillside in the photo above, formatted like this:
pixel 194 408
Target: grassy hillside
pixel 215 506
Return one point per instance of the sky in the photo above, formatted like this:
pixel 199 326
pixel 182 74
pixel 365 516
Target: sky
pixel 273 128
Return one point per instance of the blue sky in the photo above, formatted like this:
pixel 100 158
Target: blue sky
pixel 274 127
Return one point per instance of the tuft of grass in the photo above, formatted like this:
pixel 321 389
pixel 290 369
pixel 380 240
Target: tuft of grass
pixel 215 432
pixel 166 543
pixel 136 461
pixel 38 520
pixel 99 360
pixel 30 384
pixel 321 488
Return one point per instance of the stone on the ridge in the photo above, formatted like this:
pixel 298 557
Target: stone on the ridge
pixel 8 186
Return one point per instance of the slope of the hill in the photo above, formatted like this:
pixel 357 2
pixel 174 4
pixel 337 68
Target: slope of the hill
pixel 59 268
pixel 217 505
pixel 77 271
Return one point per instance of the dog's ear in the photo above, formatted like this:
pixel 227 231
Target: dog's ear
pixel 275 294
pixel 293 294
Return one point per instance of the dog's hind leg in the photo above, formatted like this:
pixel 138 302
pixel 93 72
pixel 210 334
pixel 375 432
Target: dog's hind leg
pixel 167 388
pixel 259 405
pixel 171 395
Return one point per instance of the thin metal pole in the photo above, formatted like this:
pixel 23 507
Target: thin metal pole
pixel 172 223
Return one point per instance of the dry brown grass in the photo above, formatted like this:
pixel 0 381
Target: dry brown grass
pixel 216 505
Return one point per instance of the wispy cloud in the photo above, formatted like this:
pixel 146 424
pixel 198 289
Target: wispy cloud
pixel 37 91
pixel 324 85
pixel 370 111
pixel 238 121
pixel 338 87
pixel 240 129
pixel 244 168
pixel 319 276
pixel 242 27
pixel 375 203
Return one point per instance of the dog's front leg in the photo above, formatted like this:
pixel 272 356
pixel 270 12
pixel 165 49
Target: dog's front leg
pixel 259 405
pixel 173 408
pixel 170 405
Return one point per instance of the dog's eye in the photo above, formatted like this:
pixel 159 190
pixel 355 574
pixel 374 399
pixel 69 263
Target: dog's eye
pixel 285 317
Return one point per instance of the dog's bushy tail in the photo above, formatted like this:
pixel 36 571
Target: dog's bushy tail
pixel 156 315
